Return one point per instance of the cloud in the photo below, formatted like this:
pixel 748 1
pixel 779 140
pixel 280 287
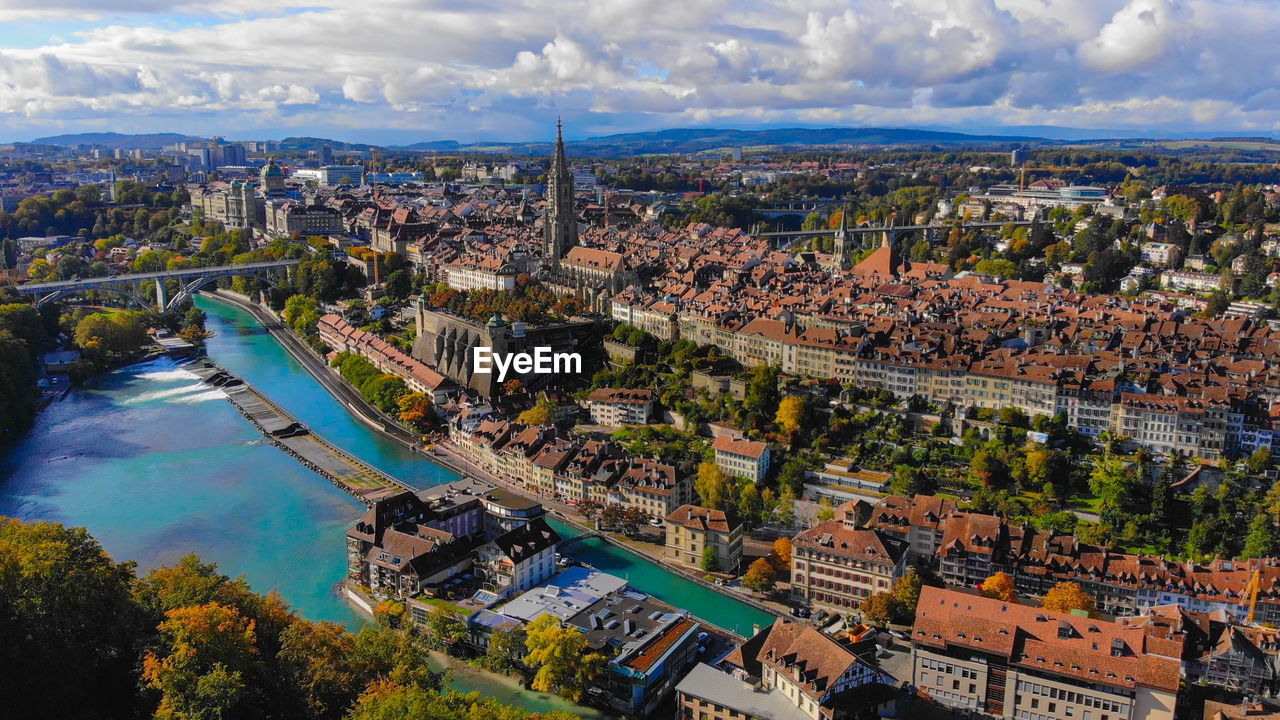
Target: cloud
pixel 507 68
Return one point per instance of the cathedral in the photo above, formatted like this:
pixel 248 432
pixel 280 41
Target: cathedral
pixel 560 224
pixel 592 274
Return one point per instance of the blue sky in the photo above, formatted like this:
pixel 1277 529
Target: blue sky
pixel 406 70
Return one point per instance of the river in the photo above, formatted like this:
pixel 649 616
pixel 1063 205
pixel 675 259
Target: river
pixel 156 465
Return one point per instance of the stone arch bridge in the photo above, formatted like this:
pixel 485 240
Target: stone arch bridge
pixel 190 281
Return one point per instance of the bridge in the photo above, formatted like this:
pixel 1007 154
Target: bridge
pixel 786 237
pixel 190 281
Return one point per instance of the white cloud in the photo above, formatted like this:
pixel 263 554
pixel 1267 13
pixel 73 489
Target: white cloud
pixel 506 67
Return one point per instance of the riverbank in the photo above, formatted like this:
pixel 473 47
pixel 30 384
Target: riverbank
pixel 449 458
pixel 318 368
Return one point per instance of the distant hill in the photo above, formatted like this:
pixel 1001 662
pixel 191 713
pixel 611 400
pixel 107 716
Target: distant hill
pixel 687 140
pixel 111 140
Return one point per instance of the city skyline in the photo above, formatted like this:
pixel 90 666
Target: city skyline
pixel 400 72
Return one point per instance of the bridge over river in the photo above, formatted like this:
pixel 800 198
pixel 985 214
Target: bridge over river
pixel 189 280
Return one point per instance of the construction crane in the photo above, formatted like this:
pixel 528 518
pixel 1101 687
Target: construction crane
pixel 1255 583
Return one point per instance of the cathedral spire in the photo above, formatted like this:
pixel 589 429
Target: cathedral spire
pixel 560 223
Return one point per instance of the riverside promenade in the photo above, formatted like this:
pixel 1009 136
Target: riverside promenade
pixel 350 474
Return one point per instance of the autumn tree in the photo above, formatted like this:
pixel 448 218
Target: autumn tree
pixel 879 609
pixel 1067 596
pixel 782 553
pixel 906 595
pixel 760 576
pixel 790 413
pixel 539 414
pixel 416 409
pixel 321 659
pixel 711 485
pixel 1000 587
pixel 564 661
pixel 205 665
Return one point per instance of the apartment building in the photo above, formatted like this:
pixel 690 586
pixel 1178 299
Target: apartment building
pixel 620 406
pixel 837 567
pixel 691 529
pixel 518 559
pixel 1015 661
pixel 742 458
pixel 918 521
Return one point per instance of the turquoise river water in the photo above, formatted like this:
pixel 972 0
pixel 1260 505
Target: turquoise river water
pixel 157 466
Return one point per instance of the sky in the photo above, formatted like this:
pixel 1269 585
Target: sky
pixel 399 71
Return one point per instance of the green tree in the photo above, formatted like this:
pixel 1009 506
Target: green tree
pixel 301 313
pixel 750 504
pixel 444 629
pixel 762 397
pixel 709 562
pixel 70 633
pixel 506 650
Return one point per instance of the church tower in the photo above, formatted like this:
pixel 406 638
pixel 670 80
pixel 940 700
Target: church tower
pixel 841 249
pixel 560 224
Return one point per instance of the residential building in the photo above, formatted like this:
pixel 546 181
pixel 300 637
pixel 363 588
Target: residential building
pixel 692 529
pixel 837 567
pixel 742 458
pixel 620 406
pixel 518 559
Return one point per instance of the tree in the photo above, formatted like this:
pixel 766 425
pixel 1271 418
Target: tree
pixel 301 313
pixel 416 409
pixel 906 595
pixel 825 511
pixel 322 661
pixel 70 633
pixel 1067 596
pixel 790 413
pixel 786 510
pixel 206 664
pixel 762 395
pixel 444 629
pixel 711 485
pixel 1000 587
pixel 782 553
pixel 506 650
pixel 563 659
pixel 760 576
pixel 709 560
pixel 879 609
pixel 539 414
pixel 750 503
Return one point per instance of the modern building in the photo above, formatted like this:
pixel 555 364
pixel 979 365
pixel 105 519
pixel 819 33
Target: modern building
pixel 1015 661
pixel 335 175
pixel 742 458
pixel 691 529
pixel 842 480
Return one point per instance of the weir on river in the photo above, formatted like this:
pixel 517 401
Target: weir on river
pixel 157 464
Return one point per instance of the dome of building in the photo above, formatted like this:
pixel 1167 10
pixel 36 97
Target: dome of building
pixel 272 170
pixel 495 321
